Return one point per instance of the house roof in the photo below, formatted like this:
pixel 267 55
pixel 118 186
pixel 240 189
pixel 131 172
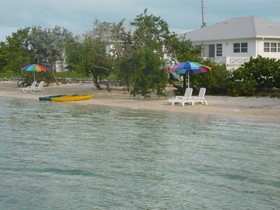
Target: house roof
pixel 236 28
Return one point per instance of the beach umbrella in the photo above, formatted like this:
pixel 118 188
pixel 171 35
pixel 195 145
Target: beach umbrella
pixel 187 68
pixel 34 68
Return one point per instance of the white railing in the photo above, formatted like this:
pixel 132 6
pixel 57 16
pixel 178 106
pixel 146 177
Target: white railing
pixel 230 62
pixel 237 60
pixel 219 60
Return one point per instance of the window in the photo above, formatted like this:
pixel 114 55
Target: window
pixel 219 50
pixel 266 47
pixel 244 47
pixel 271 47
pixel 211 50
pixel 236 47
pixel 240 47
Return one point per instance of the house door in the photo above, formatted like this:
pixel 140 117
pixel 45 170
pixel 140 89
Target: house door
pixel 211 50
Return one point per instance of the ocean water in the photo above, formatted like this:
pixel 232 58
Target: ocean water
pixel 69 156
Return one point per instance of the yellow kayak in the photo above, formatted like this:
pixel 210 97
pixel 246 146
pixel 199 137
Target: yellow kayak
pixel 71 98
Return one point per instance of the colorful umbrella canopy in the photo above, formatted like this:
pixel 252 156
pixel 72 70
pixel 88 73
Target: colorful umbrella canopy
pixel 34 68
pixel 187 68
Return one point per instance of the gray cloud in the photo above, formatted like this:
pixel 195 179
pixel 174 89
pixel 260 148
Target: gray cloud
pixel 77 16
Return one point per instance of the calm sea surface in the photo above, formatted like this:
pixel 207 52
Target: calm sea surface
pixel 68 156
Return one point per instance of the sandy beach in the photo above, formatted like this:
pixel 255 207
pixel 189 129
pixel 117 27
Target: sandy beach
pixel 251 108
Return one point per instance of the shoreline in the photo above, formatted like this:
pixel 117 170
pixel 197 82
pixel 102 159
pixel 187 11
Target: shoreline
pixel 248 108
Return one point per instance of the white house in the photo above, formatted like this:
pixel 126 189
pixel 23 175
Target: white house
pixel 234 41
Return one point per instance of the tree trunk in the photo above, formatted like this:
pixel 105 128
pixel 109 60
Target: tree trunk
pixel 54 77
pixel 96 82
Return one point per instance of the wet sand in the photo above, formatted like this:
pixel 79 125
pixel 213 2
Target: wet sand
pixel 251 108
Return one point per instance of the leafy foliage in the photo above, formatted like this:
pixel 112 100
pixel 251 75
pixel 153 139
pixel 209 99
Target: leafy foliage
pixel 257 75
pixel 143 73
pixel 186 51
pixel 142 66
pixel 14 53
pixel 89 56
pixel 215 81
pixel 48 45
pixel 33 45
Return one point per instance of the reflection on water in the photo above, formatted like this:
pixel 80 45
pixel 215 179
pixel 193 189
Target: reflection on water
pixel 65 156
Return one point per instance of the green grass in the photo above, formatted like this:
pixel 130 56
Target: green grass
pixel 112 76
pixel 73 75
pixel 9 75
pixel 57 74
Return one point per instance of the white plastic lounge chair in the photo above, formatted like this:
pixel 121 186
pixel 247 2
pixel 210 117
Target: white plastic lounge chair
pixel 187 98
pixel 201 97
pixel 30 88
pixel 40 87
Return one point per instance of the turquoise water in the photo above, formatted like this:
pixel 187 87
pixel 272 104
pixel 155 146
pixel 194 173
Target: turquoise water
pixel 68 156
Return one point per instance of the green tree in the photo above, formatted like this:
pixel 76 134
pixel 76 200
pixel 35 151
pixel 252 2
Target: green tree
pixel 143 72
pixel 241 84
pixel 265 71
pixel 186 51
pixel 14 52
pixel 215 81
pixel 48 45
pixel 143 65
pixel 89 56
pixel 34 45
pixel 257 75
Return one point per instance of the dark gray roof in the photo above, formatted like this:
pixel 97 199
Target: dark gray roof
pixel 236 28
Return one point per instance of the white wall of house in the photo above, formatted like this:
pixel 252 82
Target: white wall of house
pixel 227 49
pixel 223 51
pixel 60 66
pixel 268 48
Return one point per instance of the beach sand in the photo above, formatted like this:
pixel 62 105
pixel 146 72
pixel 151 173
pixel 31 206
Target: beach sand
pixel 249 108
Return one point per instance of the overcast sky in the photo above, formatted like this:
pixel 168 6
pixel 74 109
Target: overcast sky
pixel 77 15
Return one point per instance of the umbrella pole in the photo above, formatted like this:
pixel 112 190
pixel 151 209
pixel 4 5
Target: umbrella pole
pixel 184 82
pixel 188 78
